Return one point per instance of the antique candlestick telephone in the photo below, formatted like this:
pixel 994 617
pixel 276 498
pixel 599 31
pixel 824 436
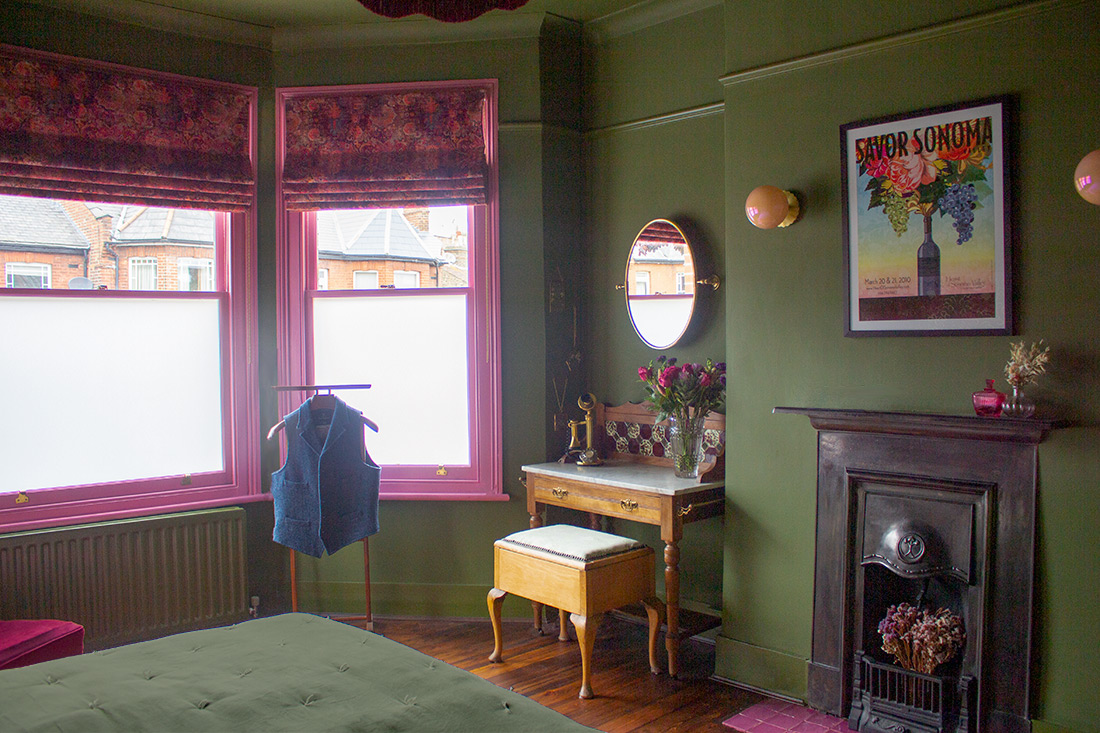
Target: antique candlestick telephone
pixel 587 456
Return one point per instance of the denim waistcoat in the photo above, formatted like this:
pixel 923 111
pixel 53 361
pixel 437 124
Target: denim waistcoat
pixel 326 494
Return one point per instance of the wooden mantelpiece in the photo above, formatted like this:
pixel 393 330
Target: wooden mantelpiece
pixel 1015 430
pixel 915 473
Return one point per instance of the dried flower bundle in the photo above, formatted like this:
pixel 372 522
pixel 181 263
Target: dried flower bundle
pixel 921 640
pixel 1025 365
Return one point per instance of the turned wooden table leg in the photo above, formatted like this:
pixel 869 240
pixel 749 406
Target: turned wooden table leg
pixel 563 625
pixel 536 608
pixel 672 605
pixel 586 637
pixel 495 601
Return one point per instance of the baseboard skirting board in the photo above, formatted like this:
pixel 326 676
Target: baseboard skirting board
pixel 405 599
pixel 760 670
pixel 1041 726
pixel 426 600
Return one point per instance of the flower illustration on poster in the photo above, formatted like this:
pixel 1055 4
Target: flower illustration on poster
pixel 925 220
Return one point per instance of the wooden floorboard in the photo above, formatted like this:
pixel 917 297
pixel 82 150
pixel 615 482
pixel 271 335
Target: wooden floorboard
pixel 628 698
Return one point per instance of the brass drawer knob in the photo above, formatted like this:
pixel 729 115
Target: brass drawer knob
pixel 559 493
pixel 628 504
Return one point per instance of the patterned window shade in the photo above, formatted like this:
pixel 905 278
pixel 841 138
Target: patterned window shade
pixel 451 11
pixel 661 231
pixel 362 148
pixel 77 129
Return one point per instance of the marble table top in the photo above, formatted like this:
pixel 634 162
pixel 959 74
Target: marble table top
pixel 624 474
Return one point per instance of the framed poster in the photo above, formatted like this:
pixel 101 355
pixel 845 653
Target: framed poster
pixel 926 222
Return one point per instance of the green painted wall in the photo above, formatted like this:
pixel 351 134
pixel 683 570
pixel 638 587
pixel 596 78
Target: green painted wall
pixel 784 310
pixel 782 296
pixel 653 149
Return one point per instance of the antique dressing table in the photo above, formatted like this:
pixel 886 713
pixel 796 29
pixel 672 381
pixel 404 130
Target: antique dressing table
pixel 637 485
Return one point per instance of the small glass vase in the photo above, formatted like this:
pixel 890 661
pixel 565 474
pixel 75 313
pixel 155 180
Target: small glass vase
pixel 1018 404
pixel 686 439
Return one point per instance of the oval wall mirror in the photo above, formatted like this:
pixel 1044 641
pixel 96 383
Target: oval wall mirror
pixel 660 284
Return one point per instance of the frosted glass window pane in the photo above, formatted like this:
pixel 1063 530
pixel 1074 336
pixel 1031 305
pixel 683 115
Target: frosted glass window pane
pixel 107 389
pixel 412 350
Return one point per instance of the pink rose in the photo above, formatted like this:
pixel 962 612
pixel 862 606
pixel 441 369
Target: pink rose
pixel 704 379
pixel 877 166
pixel 643 374
pixel 909 172
pixel 668 376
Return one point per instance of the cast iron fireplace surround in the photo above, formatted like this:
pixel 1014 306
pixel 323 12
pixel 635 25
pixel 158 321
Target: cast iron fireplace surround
pixel 964 490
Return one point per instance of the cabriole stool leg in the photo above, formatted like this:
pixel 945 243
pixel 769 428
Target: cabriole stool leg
pixel 495 601
pixel 586 637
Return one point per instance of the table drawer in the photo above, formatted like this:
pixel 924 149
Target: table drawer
pixel 586 497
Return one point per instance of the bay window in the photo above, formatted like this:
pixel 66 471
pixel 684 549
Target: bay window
pixel 409 303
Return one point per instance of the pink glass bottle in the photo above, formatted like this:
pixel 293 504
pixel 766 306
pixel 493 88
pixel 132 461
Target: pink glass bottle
pixel 987 403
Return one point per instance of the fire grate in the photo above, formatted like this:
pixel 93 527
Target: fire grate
pixel 889 699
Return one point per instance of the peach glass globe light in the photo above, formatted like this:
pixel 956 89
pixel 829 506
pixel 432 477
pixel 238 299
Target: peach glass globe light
pixel 768 207
pixel 1087 177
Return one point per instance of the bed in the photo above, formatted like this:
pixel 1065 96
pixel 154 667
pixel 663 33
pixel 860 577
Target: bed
pixel 294 672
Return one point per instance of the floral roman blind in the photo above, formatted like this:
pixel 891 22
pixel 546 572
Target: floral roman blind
pixel 77 129
pixel 379 148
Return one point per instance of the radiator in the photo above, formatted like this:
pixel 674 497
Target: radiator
pixel 131 579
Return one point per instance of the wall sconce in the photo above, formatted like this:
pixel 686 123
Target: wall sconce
pixel 1087 177
pixel 769 207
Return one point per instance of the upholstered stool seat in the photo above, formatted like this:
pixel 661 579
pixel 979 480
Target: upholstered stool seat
pixel 24 642
pixel 582 573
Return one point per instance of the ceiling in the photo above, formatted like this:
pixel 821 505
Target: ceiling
pixel 288 14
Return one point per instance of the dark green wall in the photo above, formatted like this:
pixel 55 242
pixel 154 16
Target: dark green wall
pixel 785 315
pixel 792 73
pixel 653 149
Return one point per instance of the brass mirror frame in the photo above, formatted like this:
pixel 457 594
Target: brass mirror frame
pixel 664 231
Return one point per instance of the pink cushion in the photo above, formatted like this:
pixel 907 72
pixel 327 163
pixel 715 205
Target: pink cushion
pixel 32 641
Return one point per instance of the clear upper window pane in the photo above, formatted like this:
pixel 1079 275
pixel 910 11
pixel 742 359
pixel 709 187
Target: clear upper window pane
pixel 367 249
pixel 70 245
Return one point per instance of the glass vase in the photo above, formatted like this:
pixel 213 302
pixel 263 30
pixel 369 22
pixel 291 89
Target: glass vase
pixel 1018 404
pixel 685 435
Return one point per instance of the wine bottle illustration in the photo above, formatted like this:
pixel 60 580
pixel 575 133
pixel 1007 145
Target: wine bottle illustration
pixel 928 262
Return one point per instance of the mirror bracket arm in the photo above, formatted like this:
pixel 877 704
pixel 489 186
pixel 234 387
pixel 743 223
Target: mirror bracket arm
pixel 714 281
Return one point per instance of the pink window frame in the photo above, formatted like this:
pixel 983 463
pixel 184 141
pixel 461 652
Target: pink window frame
pixel 238 482
pixel 296 269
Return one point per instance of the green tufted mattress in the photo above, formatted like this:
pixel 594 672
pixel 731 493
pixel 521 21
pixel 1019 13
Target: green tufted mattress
pixel 294 672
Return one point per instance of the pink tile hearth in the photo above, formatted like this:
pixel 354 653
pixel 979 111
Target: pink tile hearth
pixel 776 716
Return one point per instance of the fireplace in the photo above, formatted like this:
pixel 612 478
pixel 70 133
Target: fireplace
pixel 935 511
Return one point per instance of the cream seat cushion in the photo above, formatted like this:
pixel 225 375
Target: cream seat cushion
pixel 564 542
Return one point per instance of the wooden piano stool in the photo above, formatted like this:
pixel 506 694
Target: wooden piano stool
pixel 581 572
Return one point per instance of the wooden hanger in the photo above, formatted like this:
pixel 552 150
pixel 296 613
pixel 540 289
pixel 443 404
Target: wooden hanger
pixel 325 401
